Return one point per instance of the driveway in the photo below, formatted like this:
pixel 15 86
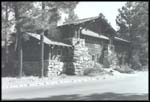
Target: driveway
pixel 131 87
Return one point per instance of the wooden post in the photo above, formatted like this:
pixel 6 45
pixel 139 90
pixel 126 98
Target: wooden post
pixel 111 41
pixel 76 34
pixel 20 54
pixel 79 32
pixel 42 55
pixel 42 44
pixel 50 53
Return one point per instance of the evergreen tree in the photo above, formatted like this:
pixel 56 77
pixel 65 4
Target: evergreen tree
pixel 29 18
pixel 133 25
pixel 71 16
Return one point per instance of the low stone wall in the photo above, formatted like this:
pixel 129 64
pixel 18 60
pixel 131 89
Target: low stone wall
pixel 55 68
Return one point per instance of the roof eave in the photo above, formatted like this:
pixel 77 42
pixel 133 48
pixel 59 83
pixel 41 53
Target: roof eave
pixel 47 40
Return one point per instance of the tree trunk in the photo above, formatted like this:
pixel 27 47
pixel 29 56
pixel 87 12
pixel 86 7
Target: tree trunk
pixel 6 41
pixel 131 45
pixel 19 36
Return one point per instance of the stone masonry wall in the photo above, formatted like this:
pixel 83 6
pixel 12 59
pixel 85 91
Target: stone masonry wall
pixel 55 68
pixel 82 59
pixel 112 57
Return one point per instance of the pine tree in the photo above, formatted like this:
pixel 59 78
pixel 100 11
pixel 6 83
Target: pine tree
pixel 71 16
pixel 20 9
pixel 133 25
pixel 29 18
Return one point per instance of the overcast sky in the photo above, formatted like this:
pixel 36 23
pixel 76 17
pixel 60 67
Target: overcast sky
pixel 91 9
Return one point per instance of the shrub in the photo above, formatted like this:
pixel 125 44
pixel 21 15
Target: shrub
pixel 63 75
pixel 93 71
pixel 106 63
pixel 135 64
pixel 124 69
pixel 145 67
pixel 96 70
pixel 97 65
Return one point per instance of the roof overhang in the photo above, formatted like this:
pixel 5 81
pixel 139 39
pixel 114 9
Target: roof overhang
pixel 93 34
pixel 88 32
pixel 47 40
pixel 120 39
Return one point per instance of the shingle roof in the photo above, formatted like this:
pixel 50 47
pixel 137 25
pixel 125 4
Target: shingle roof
pixel 117 38
pixel 93 34
pixel 79 21
pixel 47 40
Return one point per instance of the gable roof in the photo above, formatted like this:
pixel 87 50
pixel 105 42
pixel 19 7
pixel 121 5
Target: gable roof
pixel 90 19
pixel 91 33
pixel 47 40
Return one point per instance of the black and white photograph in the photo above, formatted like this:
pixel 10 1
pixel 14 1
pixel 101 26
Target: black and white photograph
pixel 74 50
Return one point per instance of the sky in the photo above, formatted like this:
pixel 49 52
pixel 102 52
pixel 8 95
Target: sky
pixel 91 9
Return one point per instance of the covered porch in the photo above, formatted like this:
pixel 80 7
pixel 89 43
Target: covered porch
pixel 55 55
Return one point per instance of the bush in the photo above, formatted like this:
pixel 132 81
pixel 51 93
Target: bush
pixel 145 67
pixel 96 70
pixel 97 65
pixel 106 63
pixel 93 71
pixel 135 64
pixel 124 69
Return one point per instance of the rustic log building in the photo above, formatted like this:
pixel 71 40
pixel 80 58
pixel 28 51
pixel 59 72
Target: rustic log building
pixel 93 39
pixel 84 43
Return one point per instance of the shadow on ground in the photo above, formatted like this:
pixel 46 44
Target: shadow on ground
pixel 103 96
